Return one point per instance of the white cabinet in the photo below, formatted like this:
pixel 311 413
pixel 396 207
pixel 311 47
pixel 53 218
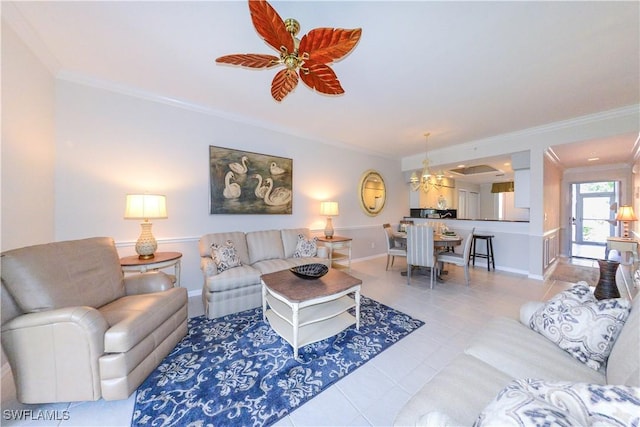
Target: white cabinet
pixel 522 178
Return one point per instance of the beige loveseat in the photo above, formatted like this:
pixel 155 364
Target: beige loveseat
pixel 74 328
pixel 506 350
pixel 260 252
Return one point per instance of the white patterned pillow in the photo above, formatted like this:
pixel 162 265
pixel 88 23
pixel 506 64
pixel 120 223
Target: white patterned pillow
pixel 305 248
pixel 581 325
pixel 536 402
pixel 225 256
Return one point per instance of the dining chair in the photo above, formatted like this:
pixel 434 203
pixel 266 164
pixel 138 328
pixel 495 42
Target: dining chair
pixel 420 250
pixel 461 260
pixel 393 249
pixel 404 223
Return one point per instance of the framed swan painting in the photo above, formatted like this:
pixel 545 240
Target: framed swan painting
pixel 242 182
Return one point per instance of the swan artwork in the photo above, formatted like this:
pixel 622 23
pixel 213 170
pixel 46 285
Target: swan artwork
pixel 231 189
pixel 276 196
pixel 275 169
pixel 240 168
pixel 261 190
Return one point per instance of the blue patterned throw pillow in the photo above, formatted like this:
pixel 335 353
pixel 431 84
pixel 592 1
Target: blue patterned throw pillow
pixel 529 402
pixel 225 256
pixel 306 248
pixel 581 325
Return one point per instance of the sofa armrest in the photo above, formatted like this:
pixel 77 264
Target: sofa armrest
pixel 527 309
pixel 208 266
pixel 54 354
pixel 146 283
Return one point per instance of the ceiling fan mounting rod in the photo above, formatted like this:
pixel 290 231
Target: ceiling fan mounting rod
pixel 291 59
pixel 292 26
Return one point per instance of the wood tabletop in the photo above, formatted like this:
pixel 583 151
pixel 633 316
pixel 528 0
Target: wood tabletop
pixel 296 289
pixel 158 257
pixel 334 239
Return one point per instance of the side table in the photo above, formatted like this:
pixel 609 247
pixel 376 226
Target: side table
pixel 625 246
pixel 159 261
pixel 339 249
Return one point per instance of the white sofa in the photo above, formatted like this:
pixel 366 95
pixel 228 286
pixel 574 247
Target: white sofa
pixel 260 252
pixel 506 350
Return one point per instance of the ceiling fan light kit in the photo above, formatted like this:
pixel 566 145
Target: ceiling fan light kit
pixel 306 59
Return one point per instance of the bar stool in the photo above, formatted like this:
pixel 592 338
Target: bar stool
pixel 488 238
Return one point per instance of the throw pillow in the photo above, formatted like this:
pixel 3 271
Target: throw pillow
pixel 581 325
pixel 225 256
pixel 305 248
pixel 536 402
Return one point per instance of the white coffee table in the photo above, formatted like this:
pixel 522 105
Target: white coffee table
pixel 305 311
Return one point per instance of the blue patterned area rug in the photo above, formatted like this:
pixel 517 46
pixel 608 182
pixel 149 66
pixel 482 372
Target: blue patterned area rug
pixel 235 370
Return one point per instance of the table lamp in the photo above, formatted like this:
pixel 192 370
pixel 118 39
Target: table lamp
pixel 146 207
pixel 625 214
pixel 328 209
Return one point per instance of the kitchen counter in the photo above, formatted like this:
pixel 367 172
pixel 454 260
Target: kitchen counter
pixel 487 219
pixel 510 252
pixel 465 219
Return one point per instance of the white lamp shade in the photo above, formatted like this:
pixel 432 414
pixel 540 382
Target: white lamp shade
pixel 329 208
pixel 146 206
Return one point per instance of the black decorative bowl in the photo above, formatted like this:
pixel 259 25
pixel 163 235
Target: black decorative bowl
pixel 310 271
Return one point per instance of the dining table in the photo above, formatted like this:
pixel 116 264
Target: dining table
pixel 441 242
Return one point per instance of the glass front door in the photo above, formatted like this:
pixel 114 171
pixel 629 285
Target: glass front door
pixel 594 209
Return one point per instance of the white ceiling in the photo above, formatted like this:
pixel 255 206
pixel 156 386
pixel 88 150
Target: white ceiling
pixel 463 71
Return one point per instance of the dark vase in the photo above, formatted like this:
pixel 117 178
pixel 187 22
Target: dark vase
pixel 606 287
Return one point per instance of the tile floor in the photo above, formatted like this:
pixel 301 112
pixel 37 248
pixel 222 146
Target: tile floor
pixel 374 393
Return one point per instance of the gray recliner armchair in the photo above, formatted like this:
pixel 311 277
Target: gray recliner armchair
pixel 74 328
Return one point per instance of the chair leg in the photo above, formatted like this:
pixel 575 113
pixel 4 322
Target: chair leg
pixel 388 257
pixel 466 274
pixel 393 258
pixel 408 274
pixel 432 274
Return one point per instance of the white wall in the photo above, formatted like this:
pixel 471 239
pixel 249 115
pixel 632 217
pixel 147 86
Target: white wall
pixel 110 144
pixel 27 146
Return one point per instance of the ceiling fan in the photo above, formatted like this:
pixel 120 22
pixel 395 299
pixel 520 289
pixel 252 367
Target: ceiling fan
pixel 307 58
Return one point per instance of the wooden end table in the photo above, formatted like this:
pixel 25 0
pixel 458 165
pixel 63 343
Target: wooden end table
pixel 339 249
pixel 159 261
pixel 306 311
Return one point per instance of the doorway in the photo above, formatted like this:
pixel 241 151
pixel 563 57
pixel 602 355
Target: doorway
pixel 594 206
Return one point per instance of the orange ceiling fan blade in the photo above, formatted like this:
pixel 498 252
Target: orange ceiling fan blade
pixel 321 78
pixel 270 26
pixel 283 83
pixel 251 60
pixel 325 45
pixel 304 59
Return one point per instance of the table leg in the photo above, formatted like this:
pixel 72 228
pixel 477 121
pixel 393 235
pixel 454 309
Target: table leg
pixel 264 302
pixel 295 309
pixel 357 309
pixel 176 270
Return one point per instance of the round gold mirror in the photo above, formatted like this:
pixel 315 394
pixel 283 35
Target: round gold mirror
pixel 373 193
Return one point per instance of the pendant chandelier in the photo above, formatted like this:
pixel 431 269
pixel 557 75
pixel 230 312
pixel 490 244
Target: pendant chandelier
pixel 426 180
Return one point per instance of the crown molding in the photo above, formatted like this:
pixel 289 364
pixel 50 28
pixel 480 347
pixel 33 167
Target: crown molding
pixel 582 169
pixel 627 111
pixel 636 149
pixel 12 17
pixel 552 156
pixel 110 86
